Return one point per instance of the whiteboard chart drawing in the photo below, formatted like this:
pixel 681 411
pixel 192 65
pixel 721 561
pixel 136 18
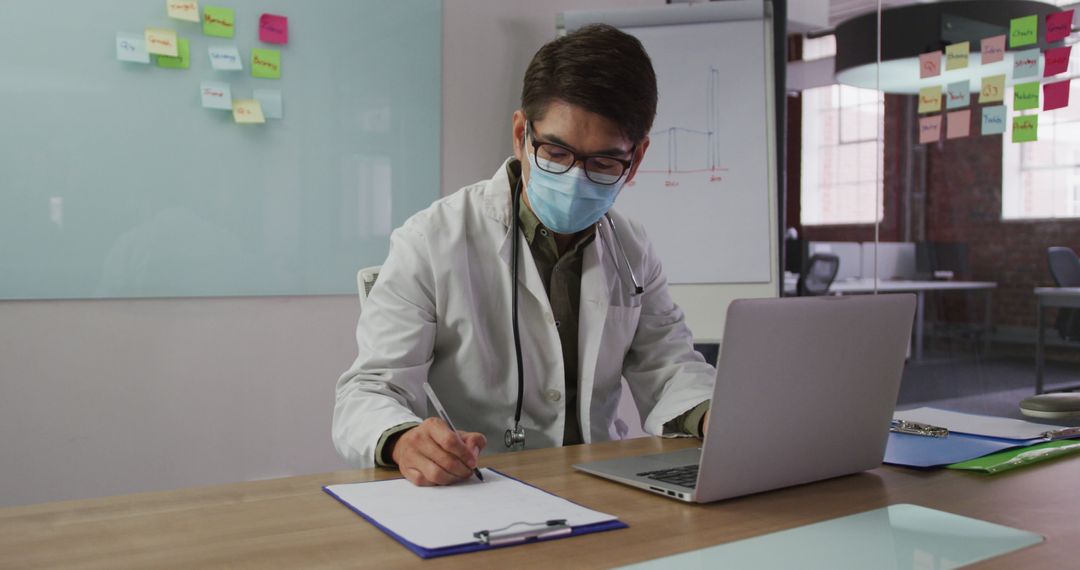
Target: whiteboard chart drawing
pixel 702 190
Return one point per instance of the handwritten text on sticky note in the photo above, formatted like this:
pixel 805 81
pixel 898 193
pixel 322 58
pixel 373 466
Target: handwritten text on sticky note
pixel 929 64
pixel 958 95
pixel 956 55
pixel 160 41
pixel 1023 31
pixel 1058 25
pixel 187 10
pixel 1026 96
pixel 1025 128
pixel 992 90
pixel 247 111
pixel 993 120
pixel 929 99
pixel 225 58
pixel 993 49
pixel 929 129
pixel 131 47
pixel 1056 60
pixel 218 22
pixel 216 95
pixel 273 29
pixel 1026 63
pixel 266 63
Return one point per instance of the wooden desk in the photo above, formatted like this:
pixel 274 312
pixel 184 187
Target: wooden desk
pixel 292 523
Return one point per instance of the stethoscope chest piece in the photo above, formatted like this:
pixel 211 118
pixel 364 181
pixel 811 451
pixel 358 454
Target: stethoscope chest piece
pixel 514 438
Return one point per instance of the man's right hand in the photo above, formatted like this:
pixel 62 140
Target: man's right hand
pixel 431 454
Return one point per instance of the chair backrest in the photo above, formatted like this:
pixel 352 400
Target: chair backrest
pixel 820 273
pixel 365 280
pixel 1064 266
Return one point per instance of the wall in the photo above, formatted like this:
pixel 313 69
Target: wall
pixel 117 396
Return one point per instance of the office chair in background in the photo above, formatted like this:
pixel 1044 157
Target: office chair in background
pixel 819 275
pixel 1065 269
pixel 365 280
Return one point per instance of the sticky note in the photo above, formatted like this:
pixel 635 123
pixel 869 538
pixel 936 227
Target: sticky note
pixel 1026 96
pixel 1023 31
pixel 929 64
pixel 929 99
pixel 993 49
pixel 216 95
pixel 958 124
pixel 131 47
pixel 929 129
pixel 187 10
pixel 218 22
pixel 225 58
pixel 266 63
pixel 181 61
pixel 958 95
pixel 1056 60
pixel 1026 63
pixel 247 111
pixel 1058 25
pixel 956 55
pixel 270 101
pixel 1055 95
pixel 993 120
pixel 273 29
pixel 1025 128
pixel 160 41
pixel 992 90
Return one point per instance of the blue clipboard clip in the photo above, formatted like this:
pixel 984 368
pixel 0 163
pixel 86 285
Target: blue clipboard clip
pixel 507 534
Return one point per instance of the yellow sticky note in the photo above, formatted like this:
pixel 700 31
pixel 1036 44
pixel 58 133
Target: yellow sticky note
pixel 187 10
pixel 956 55
pixel 247 111
pixel 993 89
pixel 929 99
pixel 160 41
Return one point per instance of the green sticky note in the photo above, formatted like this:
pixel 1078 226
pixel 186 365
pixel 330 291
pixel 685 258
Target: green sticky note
pixel 182 59
pixel 218 22
pixel 1026 96
pixel 266 63
pixel 1025 128
pixel 1023 31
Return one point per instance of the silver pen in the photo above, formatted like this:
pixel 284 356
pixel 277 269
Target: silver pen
pixel 446 418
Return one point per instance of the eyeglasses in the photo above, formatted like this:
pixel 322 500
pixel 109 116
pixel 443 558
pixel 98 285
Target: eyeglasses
pixel 558 159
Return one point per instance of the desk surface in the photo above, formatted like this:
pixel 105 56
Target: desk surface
pixel 842 286
pixel 292 523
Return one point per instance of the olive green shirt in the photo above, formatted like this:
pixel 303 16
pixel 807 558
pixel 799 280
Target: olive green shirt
pixel 561 274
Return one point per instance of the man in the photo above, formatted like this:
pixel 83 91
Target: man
pixel 440 311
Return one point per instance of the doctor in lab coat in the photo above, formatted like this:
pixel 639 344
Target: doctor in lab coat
pixel 440 310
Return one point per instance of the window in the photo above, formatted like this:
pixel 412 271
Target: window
pixel 1041 179
pixel 841 155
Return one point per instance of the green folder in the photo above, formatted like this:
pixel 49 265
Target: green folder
pixel 1019 457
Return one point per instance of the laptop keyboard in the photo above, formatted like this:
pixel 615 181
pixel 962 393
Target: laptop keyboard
pixel 685 476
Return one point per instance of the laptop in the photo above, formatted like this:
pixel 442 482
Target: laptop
pixel 805 390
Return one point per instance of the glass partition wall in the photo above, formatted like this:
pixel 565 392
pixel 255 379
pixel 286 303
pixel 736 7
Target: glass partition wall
pixel 940 153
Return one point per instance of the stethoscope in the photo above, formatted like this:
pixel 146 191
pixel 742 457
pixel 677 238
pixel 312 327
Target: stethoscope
pixel 514 438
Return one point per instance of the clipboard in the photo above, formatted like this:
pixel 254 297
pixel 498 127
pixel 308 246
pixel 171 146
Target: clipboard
pixel 374 501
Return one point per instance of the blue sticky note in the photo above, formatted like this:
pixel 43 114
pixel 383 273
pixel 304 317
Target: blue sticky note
pixel 993 120
pixel 270 99
pixel 131 47
pixel 216 95
pixel 958 95
pixel 225 58
pixel 1026 63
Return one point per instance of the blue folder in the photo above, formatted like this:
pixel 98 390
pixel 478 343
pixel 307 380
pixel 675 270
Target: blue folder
pixel 922 451
pixel 475 546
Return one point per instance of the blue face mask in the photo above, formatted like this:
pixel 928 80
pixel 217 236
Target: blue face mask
pixel 568 203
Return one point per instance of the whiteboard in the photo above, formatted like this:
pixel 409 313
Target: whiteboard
pixel 115 182
pixel 702 191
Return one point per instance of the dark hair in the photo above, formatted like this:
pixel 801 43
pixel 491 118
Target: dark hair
pixel 600 69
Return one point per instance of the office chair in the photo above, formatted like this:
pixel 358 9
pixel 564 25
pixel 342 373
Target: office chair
pixel 365 280
pixel 819 275
pixel 1065 269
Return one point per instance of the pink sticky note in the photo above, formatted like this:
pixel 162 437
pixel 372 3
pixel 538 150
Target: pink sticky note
pixel 1058 25
pixel 993 49
pixel 1055 95
pixel 273 29
pixel 959 124
pixel 930 129
pixel 1057 60
pixel 930 64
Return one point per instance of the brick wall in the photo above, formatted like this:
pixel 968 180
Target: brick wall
pixel 962 203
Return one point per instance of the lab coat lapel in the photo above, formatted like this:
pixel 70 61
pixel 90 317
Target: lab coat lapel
pixel 528 274
pixel 592 317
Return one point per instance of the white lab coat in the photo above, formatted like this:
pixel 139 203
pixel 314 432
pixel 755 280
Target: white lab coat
pixel 440 312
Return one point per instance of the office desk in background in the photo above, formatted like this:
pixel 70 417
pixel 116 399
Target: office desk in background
pixel 1059 297
pixel 919 288
pixel 292 523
